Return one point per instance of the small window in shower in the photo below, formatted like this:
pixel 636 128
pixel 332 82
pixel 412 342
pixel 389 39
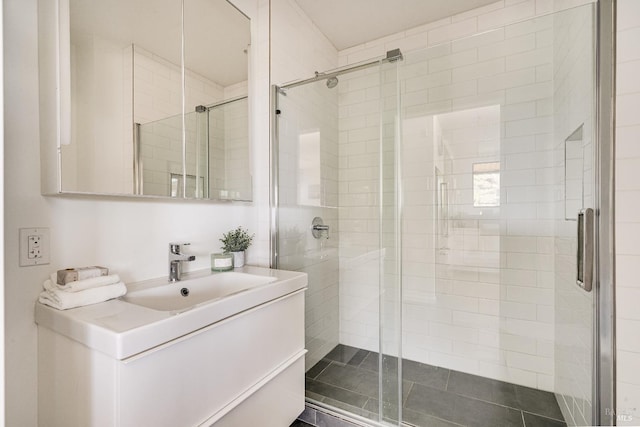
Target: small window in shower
pixel 486 184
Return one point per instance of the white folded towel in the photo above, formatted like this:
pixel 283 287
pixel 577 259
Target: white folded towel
pixel 62 299
pixel 80 285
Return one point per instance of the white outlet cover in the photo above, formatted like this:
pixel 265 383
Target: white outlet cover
pixel 43 257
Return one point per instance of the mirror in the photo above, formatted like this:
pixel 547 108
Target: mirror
pixel 149 117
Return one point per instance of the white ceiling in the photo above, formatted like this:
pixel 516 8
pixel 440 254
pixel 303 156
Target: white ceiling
pixel 348 23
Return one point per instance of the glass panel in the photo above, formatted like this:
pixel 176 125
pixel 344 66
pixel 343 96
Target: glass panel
pixel 390 411
pixel 160 156
pixel 229 151
pixel 307 155
pixel 202 148
pixel 574 130
pixel 217 149
pixel 216 41
pixel 488 278
pixel 573 174
pixel 329 157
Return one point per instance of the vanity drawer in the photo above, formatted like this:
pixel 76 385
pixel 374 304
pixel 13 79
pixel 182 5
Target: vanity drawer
pixel 210 367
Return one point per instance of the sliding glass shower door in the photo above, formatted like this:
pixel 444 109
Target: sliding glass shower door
pixel 435 201
pixel 338 211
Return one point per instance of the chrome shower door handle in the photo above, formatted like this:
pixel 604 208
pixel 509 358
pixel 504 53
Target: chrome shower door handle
pixel 586 233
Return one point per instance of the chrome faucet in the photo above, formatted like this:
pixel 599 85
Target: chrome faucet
pixel 175 261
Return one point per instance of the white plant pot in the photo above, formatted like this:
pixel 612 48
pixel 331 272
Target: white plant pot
pixel 238 259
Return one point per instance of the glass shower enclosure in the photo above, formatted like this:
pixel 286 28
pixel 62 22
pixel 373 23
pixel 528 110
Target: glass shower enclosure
pixel 212 163
pixel 433 198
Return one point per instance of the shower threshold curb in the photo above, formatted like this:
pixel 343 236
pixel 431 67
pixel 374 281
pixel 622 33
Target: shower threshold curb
pixel 319 415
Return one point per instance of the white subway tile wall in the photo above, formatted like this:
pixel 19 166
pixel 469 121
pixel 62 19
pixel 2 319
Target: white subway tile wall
pixel 308 163
pixel 627 204
pixel 359 196
pixel 229 175
pixel 480 299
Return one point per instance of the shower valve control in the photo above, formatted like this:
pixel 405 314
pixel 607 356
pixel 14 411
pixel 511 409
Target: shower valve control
pixel 319 229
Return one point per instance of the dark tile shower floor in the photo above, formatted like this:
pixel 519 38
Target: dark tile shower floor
pixel 347 378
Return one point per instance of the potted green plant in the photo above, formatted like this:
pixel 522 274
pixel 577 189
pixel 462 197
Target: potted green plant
pixel 236 242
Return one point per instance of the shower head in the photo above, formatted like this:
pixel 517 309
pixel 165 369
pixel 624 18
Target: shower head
pixel 332 82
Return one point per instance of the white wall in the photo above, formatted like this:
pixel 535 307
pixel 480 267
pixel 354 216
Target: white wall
pixel 359 200
pixel 128 236
pixel 627 207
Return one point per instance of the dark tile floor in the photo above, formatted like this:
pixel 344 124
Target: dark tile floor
pixel 347 378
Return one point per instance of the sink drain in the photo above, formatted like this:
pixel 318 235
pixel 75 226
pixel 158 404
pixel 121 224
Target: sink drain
pixel 184 292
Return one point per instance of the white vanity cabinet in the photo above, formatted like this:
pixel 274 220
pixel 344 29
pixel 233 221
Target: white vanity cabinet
pixel 246 369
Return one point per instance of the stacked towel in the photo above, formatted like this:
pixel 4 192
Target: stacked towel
pixel 81 292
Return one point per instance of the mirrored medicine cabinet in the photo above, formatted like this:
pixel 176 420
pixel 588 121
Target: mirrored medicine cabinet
pixel 145 98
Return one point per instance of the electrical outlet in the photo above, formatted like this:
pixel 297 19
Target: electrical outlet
pixel 34 246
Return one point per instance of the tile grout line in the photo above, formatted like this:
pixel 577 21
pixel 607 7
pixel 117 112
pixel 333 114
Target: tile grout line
pixel 323 369
pixel 361 361
pixel 408 393
pixel 434 417
pixel 341 388
pixel 542 416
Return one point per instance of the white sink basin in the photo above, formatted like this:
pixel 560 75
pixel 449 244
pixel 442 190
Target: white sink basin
pixel 184 295
pixel 230 351
pixel 154 312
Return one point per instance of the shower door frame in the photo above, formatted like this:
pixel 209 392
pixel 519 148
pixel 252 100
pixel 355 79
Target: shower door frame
pixel 604 378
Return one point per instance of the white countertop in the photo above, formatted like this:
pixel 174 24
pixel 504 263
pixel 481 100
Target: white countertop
pixel 121 329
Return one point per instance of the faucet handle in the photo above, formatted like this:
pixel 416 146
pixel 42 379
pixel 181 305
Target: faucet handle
pixel 175 247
